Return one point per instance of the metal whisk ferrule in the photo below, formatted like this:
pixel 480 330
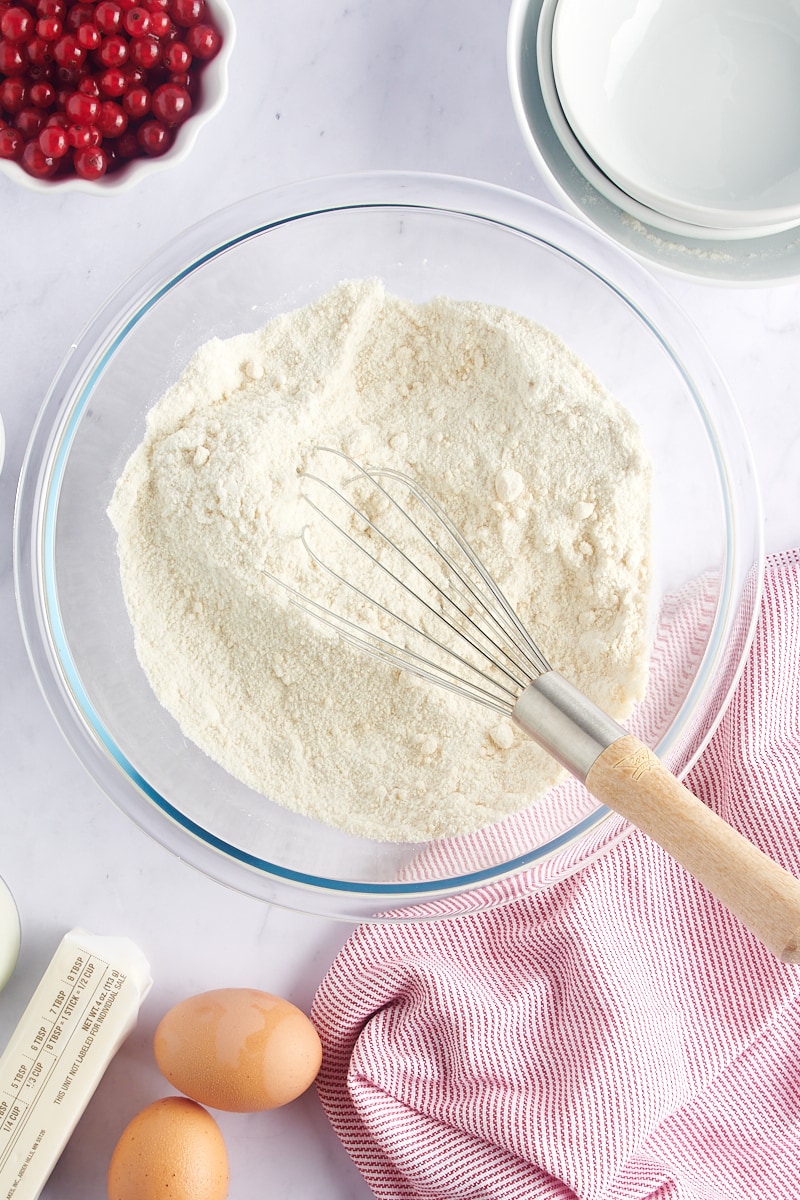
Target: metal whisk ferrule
pixel 565 723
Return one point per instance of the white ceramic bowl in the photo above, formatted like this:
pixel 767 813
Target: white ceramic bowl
pixel 590 169
pixel 749 262
pixel 691 106
pixel 214 90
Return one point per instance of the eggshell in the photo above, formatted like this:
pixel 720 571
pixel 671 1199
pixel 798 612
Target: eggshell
pixel 171 1148
pixel 238 1049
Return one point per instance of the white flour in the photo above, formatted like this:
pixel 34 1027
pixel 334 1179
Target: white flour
pixel 541 469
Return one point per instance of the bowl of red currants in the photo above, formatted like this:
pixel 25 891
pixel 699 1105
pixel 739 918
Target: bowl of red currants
pixel 97 94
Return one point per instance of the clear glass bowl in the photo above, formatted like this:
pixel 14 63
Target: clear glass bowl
pixel 423 236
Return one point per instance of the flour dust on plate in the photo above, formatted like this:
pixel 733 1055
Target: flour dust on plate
pixel 544 472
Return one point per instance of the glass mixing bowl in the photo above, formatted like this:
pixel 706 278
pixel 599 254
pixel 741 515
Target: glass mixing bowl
pixel 423 236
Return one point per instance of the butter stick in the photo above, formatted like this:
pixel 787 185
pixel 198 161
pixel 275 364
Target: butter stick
pixel 9 934
pixel 83 1009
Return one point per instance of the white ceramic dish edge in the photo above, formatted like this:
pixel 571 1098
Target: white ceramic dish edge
pixel 590 169
pixel 729 67
pixel 751 262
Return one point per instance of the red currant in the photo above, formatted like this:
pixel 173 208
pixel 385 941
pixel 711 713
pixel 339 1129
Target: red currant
pixel 14 93
pixel 203 41
pixel 49 28
pixel 30 122
pixel 153 6
pixel 171 104
pixel 134 75
pixel 154 138
pixel 17 25
pixel 176 56
pixel 160 24
pixel 12 59
pixel 51 8
pixel 113 120
pixel 53 141
pixel 79 135
pixel 112 51
pixel 136 103
pixel 127 146
pixel 90 163
pixel 88 85
pixel 42 93
pixel 89 36
pixel 112 82
pixel 145 52
pixel 68 52
pixel 136 21
pixel 39 52
pixel 187 12
pixel 57 118
pixel 36 162
pixel 108 16
pixel 81 108
pixel 79 14
pixel 11 143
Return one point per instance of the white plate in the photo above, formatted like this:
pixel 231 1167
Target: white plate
pixel 690 106
pixel 749 262
pixel 587 167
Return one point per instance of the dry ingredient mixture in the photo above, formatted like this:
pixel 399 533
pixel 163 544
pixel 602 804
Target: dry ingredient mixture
pixel 543 471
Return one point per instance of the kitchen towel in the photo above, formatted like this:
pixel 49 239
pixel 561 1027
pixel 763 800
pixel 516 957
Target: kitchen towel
pixel 619 1036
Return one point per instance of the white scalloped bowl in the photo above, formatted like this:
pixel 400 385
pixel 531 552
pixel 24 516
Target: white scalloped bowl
pixel 213 93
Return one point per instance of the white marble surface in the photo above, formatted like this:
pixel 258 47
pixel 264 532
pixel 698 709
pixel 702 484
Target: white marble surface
pixel 319 86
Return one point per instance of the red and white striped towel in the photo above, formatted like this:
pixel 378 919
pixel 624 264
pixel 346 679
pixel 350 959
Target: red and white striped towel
pixel 618 1037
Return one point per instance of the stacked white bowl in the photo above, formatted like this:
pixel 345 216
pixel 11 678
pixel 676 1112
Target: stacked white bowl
pixel 682 114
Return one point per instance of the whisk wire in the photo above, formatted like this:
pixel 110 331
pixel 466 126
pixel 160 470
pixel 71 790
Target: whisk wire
pixel 388 652
pixel 506 621
pixel 465 627
pixel 391 650
pixel 491 658
pixel 506 633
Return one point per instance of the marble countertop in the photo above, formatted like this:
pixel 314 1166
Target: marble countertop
pixel 318 87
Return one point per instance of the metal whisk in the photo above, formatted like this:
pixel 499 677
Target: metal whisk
pixel 416 595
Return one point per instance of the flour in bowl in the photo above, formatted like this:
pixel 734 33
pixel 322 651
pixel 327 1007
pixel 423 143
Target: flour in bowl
pixel 542 470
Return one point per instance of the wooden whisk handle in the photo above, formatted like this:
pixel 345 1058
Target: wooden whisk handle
pixel 631 780
pixel 622 772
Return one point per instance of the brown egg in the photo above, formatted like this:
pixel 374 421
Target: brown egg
pixel 171 1148
pixel 238 1049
